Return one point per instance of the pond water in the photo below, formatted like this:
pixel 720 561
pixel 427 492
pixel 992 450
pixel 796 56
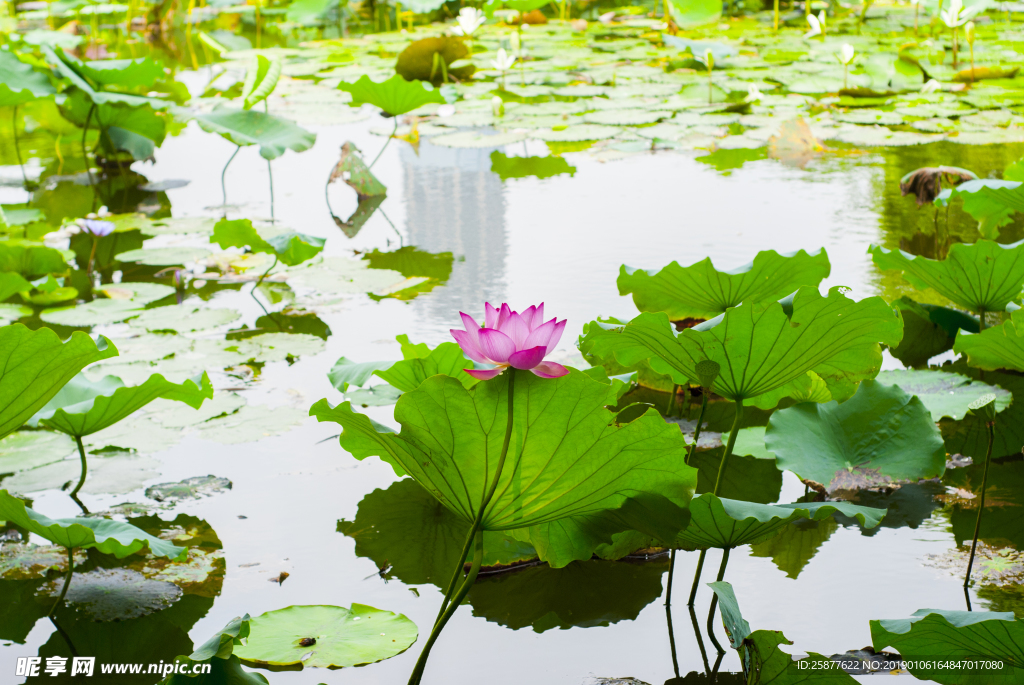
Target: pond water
pixel 559 240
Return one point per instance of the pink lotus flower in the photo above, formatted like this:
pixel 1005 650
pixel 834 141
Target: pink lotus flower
pixel 510 339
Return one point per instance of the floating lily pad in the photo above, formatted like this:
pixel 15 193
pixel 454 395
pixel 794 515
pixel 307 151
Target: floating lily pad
pixel 109 474
pixel 177 415
pixel 138 434
pixel 95 313
pixel 196 225
pixel 190 488
pixel 251 423
pixel 9 313
pixel 137 291
pixel 20 562
pixel 578 133
pixel 476 139
pixel 341 637
pixel 117 594
pixel 275 347
pixel 944 393
pixel 23 450
pixel 183 319
pixel 625 117
pixel 374 396
pixel 163 256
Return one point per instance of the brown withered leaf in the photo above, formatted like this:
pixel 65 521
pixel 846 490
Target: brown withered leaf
pixel 353 171
pixel 926 183
pixel 795 144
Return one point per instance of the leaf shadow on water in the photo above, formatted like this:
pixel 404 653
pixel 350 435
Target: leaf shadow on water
pixel 907 506
pixel 406 528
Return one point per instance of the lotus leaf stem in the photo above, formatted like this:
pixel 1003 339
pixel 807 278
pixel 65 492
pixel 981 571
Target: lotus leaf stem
pixel 956 36
pixel 17 149
pixel 487 495
pixel 981 320
pixel 265 274
pixel 92 253
pixel 672 639
pixel 85 155
pixel 671 575
pixel 696 577
pixel 775 25
pixel 270 175
pixel 700 640
pixel 689 458
pixel 478 557
pixel 714 602
pixel 223 187
pixel 991 425
pixel 67 581
pixel 85 471
pixel 393 131
pixel 700 420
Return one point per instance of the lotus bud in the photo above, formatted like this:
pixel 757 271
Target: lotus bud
pixel 497 106
pixel 969 32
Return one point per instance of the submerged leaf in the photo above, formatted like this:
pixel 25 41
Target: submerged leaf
pixel 353 171
pixel 701 291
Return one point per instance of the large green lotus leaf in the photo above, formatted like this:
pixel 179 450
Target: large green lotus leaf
pixel 239 233
pixel 566 457
pixel 293 248
pixel 726 523
pixel 701 291
pixel 343 637
pixel 999 347
pixel 36 365
pixel 407 527
pixel 83 407
pixel 981 276
pixel 928 330
pixel 139 118
pixel 126 73
pixel 447 359
pixel 881 430
pixel 273 134
pixel 945 394
pixel 346 372
pixel 586 594
pixel 12 283
pixel 31 259
pixel 969 435
pixel 763 661
pixel 763 347
pixel 72 70
pixel 931 635
pixel 109 537
pixel 991 202
pixel 19 82
pixel 396 96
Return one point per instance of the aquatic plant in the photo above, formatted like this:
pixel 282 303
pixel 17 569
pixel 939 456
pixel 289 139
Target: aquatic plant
pixel 503 62
pixel 955 17
pixel 984 408
pixel 510 340
pixel 846 55
pixel 83 407
pixel 455 443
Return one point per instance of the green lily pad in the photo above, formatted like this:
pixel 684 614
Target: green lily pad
pixel 275 347
pixel 163 256
pixel 138 291
pixel 395 96
pixel 273 134
pixel 23 450
pixel 477 139
pixel 251 423
pixel 881 430
pixel 189 225
pixel 374 396
pixel 625 117
pixel 341 637
pixel 701 291
pixel 9 313
pixel 944 394
pixel 109 474
pixel 577 133
pixel 95 313
pixel 183 319
pixel 176 415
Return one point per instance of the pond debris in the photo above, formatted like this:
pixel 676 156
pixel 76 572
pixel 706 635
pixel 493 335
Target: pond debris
pixel 999 566
pixel 190 488
pixel 867 660
pixel 24 561
pixel 280 578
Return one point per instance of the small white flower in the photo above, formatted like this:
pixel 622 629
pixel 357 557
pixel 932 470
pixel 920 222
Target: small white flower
pixel 815 26
pixel 445 110
pixel 931 86
pixel 497 106
pixel 846 53
pixel 753 94
pixel 956 15
pixel 606 18
pixel 503 61
pixel 470 19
